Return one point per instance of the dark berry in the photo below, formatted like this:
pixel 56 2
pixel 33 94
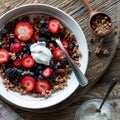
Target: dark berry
pixel 3 31
pixel 55 67
pixel 0 44
pixel 52 78
pixel 71 46
pixel 39 67
pixel 12 27
pixel 19 71
pixel 10 72
pixel 40 72
pixel 15 81
pixel 42 23
pixel 41 77
pixel 32 74
pixel 52 63
pixel 64 62
pixel 43 39
pixel 44 32
pixel 24 49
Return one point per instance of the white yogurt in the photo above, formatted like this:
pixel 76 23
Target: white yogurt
pixel 40 53
pixel 89 113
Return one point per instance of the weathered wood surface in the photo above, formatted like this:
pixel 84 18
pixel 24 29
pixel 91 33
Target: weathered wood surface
pixel 97 66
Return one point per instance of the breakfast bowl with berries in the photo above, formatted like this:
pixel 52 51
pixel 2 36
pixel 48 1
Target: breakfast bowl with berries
pixel 34 71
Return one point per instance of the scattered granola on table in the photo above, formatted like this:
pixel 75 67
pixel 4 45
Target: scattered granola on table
pixel 30 60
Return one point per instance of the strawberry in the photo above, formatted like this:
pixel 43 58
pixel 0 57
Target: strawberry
pixel 65 43
pixel 28 83
pixel 24 31
pixel 42 85
pixel 17 63
pixel 36 37
pixel 16 47
pixel 17 40
pixel 4 56
pixel 28 61
pixel 54 26
pixel 47 72
pixel 58 54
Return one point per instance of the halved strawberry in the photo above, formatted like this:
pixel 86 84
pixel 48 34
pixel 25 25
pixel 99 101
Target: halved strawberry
pixel 47 72
pixel 4 56
pixel 65 43
pixel 28 61
pixel 42 85
pixel 54 26
pixel 58 54
pixel 17 63
pixel 16 47
pixel 24 31
pixel 28 83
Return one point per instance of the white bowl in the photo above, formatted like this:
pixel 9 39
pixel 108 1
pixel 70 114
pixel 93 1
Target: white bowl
pixel 29 102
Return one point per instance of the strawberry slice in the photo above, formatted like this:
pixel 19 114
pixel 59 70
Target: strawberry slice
pixel 4 56
pixel 65 43
pixel 17 63
pixel 54 26
pixel 47 72
pixel 28 83
pixel 42 85
pixel 24 31
pixel 28 61
pixel 58 54
pixel 16 47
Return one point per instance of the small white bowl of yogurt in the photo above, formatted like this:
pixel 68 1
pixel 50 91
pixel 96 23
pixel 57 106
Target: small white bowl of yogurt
pixel 87 111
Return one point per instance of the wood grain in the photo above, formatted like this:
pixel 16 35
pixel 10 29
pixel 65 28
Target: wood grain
pixel 97 65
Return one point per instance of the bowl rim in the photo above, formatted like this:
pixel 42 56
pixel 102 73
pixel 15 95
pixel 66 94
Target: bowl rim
pixel 84 71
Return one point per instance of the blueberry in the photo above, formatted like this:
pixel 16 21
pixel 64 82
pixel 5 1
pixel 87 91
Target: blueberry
pixel 41 77
pixel 64 62
pixel 55 67
pixel 71 46
pixel 15 81
pixel 40 72
pixel 43 39
pixel 4 31
pixel 39 67
pixel 10 72
pixel 0 44
pixel 24 49
pixel 42 23
pixel 32 74
pixel 52 63
pixel 19 71
pixel 44 32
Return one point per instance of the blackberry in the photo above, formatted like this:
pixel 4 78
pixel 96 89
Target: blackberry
pixel 10 72
pixel 64 62
pixel 44 32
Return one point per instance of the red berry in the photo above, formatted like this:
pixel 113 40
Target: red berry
pixel 58 54
pixel 28 61
pixel 17 40
pixel 47 72
pixel 54 26
pixel 16 47
pixel 65 43
pixel 17 63
pixel 42 85
pixel 28 83
pixel 36 37
pixel 24 31
pixel 4 56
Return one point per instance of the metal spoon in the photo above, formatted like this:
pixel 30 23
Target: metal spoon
pixel 79 75
pixel 112 84
pixel 93 16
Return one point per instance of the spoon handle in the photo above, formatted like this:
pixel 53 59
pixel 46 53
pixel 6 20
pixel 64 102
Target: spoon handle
pixel 112 84
pixel 86 3
pixel 79 75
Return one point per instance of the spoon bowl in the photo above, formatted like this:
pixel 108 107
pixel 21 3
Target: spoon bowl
pixel 99 23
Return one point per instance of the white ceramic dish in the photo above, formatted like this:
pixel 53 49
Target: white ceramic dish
pixel 39 103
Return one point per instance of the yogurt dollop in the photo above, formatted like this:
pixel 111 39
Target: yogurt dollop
pixel 40 53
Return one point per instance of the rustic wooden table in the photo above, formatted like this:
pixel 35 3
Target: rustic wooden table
pixel 98 90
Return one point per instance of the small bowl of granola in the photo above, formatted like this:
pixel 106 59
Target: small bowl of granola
pixel 34 71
